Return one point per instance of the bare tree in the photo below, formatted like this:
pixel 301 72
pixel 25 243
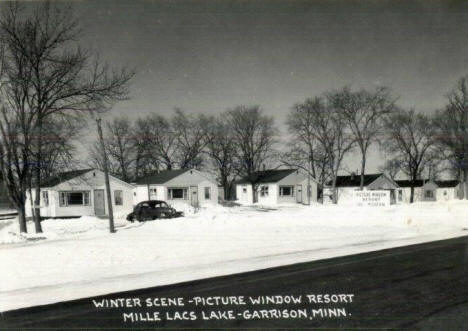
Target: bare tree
pixel 452 130
pixel 391 167
pixel 145 159
pixel 61 76
pixel 254 135
pixel 331 131
pixel 16 133
pixel 160 140
pixel 323 135
pixel 120 149
pixel 120 146
pixel 305 149
pixel 362 112
pixel 410 139
pixel 58 151
pixel 190 133
pixel 96 160
pixel 221 149
pixel 58 148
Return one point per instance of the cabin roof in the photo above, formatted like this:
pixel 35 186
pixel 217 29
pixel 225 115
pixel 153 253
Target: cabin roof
pixel 407 183
pixel 266 176
pixel 160 177
pixel 355 180
pixel 63 177
pixel 421 182
pixel 447 183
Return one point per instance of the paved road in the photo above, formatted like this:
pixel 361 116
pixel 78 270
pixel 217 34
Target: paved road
pixel 416 287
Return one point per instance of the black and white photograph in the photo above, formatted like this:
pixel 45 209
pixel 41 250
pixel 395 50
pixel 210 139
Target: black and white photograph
pixel 234 164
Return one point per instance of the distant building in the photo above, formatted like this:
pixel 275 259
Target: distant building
pixel 347 185
pixel 278 186
pixel 187 186
pixel 428 190
pixel 81 193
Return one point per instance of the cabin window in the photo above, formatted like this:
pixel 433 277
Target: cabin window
pixel 264 191
pixel 153 191
pixel 74 198
pixel 45 198
pixel 445 192
pixel 118 197
pixel 244 189
pixel 286 191
pixel 400 195
pixel 177 193
pixel 428 194
pixel 207 193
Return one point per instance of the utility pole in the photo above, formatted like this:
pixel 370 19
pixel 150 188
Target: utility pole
pixel 309 188
pixel 106 175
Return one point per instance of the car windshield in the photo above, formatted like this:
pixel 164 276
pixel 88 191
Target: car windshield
pixel 158 204
pixel 153 204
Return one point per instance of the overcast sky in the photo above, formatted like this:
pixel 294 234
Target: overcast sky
pixel 207 56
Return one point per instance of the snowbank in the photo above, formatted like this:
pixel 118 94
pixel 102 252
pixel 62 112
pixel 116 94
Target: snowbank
pixel 78 257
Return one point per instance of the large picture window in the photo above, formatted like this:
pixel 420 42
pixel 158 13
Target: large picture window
pixel 118 197
pixel 177 193
pixel 429 194
pixel 74 198
pixel 286 191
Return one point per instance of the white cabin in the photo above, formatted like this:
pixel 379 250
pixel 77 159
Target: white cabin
pixel 429 190
pixel 81 193
pixel 181 186
pixel 278 186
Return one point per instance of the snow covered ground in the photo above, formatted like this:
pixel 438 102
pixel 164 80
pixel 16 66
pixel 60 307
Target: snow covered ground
pixel 77 258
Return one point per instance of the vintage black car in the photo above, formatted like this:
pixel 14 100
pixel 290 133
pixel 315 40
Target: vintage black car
pixel 151 210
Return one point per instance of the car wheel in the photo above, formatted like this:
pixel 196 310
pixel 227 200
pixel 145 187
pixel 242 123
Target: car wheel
pixel 141 218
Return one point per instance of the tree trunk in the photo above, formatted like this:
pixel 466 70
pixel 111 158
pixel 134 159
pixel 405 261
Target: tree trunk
pixel 363 169
pixel 22 219
pixel 137 166
pixel 334 191
pixel 465 184
pixel 413 182
pixel 124 173
pixel 37 175
pixel 225 183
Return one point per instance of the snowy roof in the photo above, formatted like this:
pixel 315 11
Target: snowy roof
pixel 407 183
pixel 266 176
pixel 421 182
pixel 355 180
pixel 63 177
pixel 447 183
pixel 160 177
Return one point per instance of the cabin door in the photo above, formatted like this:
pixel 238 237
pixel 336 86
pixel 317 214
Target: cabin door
pixel 299 193
pixel 99 204
pixel 194 196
